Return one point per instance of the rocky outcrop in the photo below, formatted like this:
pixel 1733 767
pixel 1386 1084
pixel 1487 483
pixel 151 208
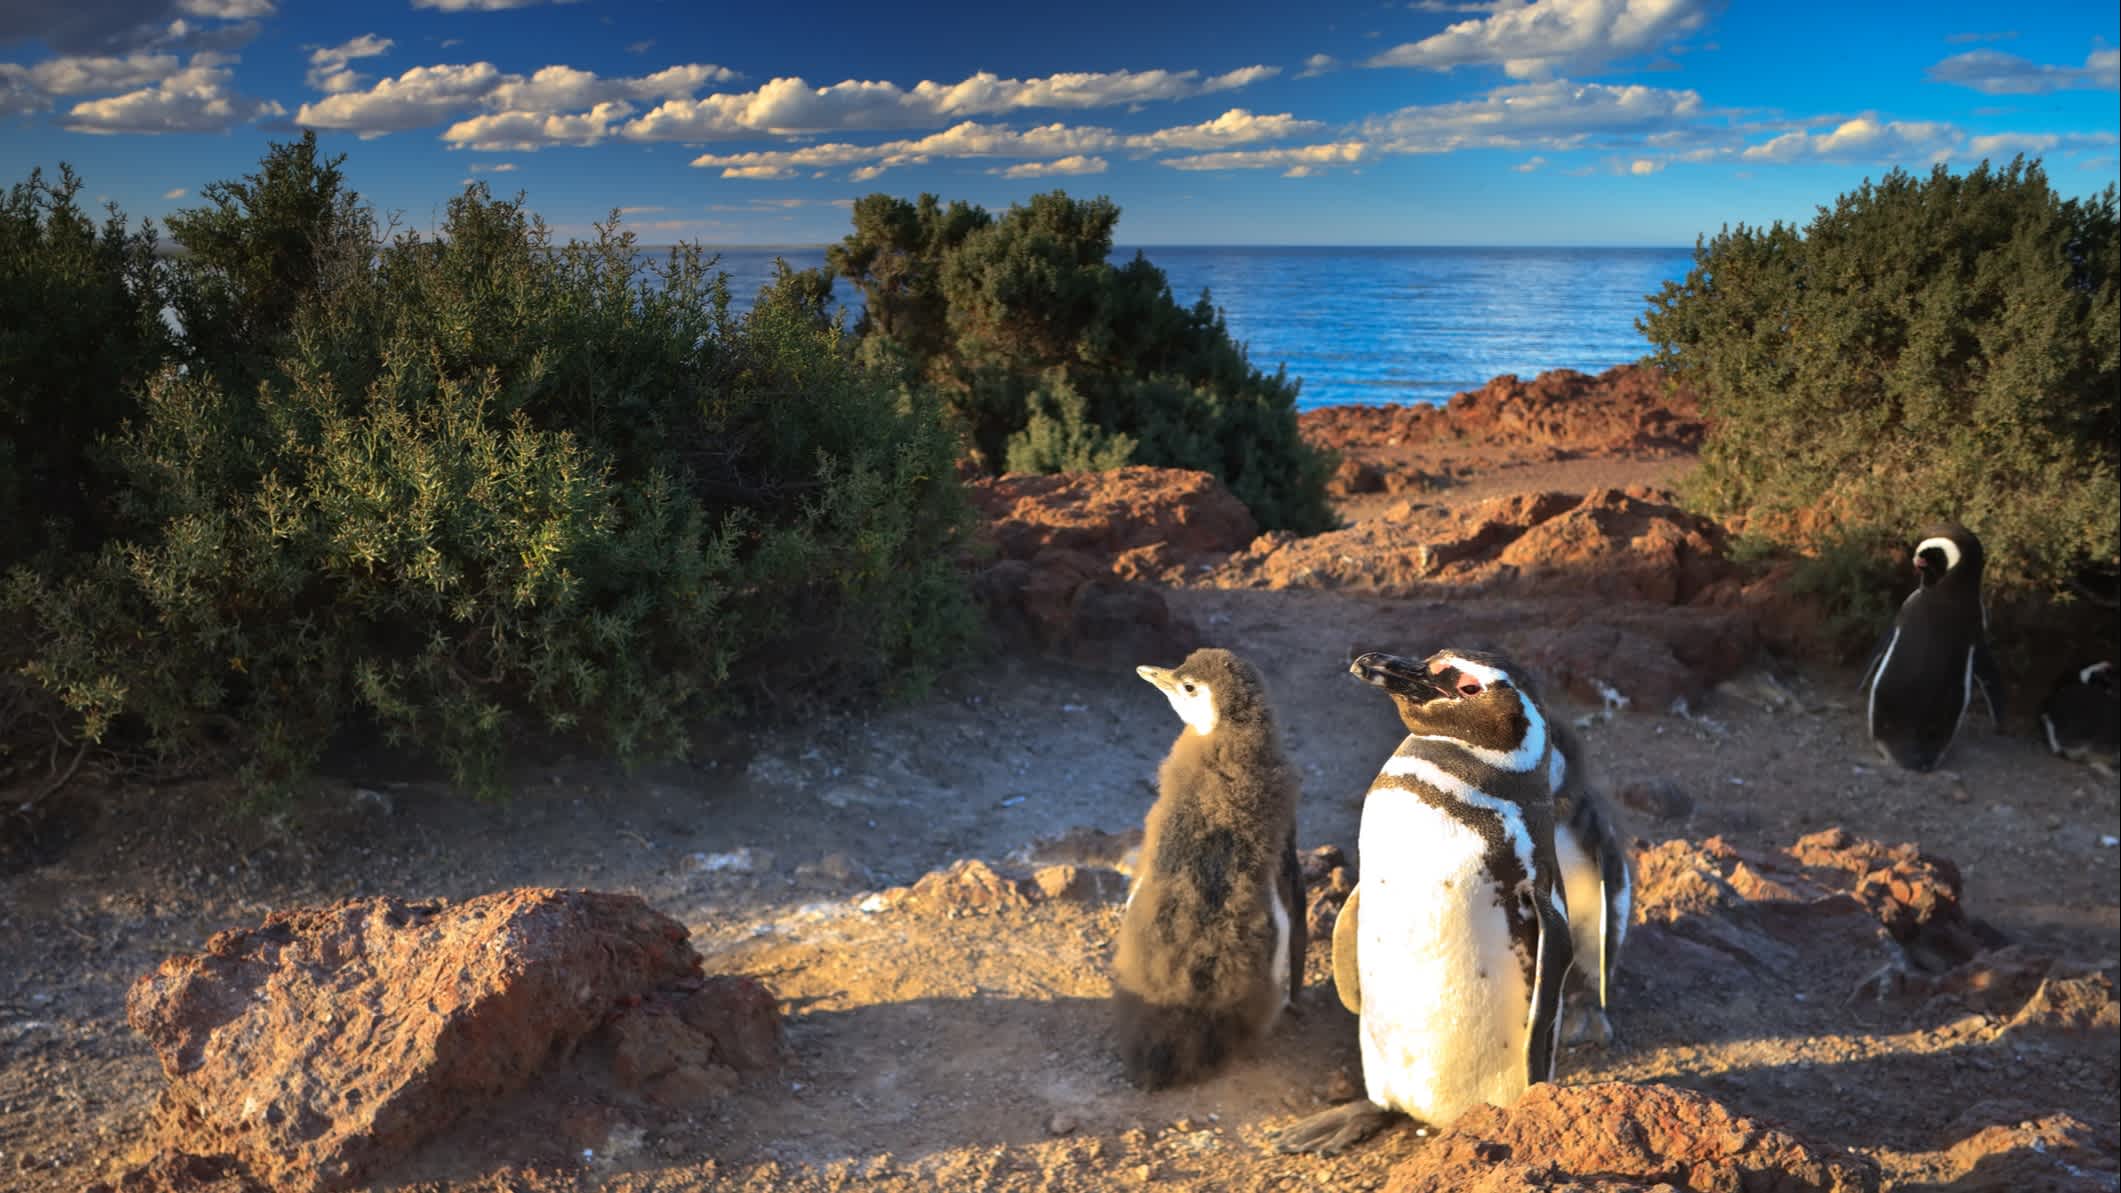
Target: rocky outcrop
pixel 318 1048
pixel 1613 1136
pixel 1630 410
pixel 1077 548
pixel 971 887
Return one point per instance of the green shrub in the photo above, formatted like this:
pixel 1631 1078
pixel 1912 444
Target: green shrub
pixel 486 484
pixel 1928 348
pixel 1051 358
pixel 80 330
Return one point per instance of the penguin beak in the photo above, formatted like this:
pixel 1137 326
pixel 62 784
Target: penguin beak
pixel 1160 676
pixel 1404 677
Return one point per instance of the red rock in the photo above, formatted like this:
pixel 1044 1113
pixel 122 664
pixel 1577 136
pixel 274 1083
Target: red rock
pixel 2009 1147
pixel 969 887
pixel 329 1041
pixel 1071 605
pixel 1106 513
pixel 1611 1136
pixel 2080 1003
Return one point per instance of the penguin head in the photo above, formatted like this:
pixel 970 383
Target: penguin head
pixel 1476 697
pixel 1211 689
pixel 1947 549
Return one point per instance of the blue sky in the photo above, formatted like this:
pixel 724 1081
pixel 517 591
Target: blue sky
pixel 1434 122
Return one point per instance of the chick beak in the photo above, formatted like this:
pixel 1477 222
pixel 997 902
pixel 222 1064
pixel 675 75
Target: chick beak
pixel 1162 677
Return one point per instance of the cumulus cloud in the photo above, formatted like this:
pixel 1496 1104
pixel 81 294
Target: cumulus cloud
pixel 1993 72
pixel 1074 164
pixel 763 173
pixel 1643 165
pixel 530 131
pixel 175 193
pixel 2006 145
pixel 1318 64
pixel 1298 161
pixel 791 105
pixel 1864 139
pixel 196 99
pixel 493 168
pixel 1234 127
pixel 1557 114
pixel 86 73
pixel 1530 164
pixel 478 5
pixel 330 67
pixel 421 96
pixel 1545 36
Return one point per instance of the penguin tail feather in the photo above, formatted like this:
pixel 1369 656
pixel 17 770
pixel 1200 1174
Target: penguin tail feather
pixel 1172 1045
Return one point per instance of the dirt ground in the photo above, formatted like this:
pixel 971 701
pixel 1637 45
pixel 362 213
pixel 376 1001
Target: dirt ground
pixel 971 1053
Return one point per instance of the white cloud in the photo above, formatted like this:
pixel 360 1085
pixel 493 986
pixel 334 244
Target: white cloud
pixel 1963 38
pixel 761 173
pixel 226 10
pixel 1864 139
pixel 1542 37
pixel 493 168
pixel 1318 64
pixel 1307 158
pixel 529 131
pixel 478 5
pixel 1530 164
pixel 1999 146
pixel 421 96
pixel 1074 164
pixel 17 96
pixel 1993 72
pixel 791 105
pixel 563 88
pixel 1643 165
pixel 193 100
pixel 329 66
pixel 175 193
pixel 1558 114
pixel 1234 127
pixel 83 74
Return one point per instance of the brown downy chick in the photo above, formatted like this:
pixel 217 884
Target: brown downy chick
pixel 1211 946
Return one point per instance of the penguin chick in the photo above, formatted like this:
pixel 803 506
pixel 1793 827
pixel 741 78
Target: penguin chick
pixel 1595 878
pixel 2082 717
pixel 1454 946
pixel 1212 942
pixel 1923 674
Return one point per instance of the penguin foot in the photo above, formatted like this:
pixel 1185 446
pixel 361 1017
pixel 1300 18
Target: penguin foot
pixel 1331 1132
pixel 1586 1027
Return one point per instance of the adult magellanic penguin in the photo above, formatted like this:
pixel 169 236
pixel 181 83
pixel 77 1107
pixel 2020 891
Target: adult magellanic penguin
pixel 1927 666
pixel 1594 864
pixel 1211 945
pixel 1454 945
pixel 2082 717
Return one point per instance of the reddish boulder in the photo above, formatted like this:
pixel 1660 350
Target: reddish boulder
pixel 1104 514
pixel 2009 1147
pixel 1071 605
pixel 1613 1136
pixel 329 1041
pixel 1914 894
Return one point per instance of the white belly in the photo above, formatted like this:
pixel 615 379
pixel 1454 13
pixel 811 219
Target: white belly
pixel 1444 1004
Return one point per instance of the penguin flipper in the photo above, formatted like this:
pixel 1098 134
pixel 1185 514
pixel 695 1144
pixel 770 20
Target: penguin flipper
pixel 1870 666
pixel 1990 677
pixel 1550 971
pixel 1347 980
pixel 1292 889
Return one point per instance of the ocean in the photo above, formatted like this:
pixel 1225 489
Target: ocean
pixel 1376 325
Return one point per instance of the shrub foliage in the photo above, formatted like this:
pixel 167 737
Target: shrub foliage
pixel 1051 358
pixel 1940 347
pixel 462 486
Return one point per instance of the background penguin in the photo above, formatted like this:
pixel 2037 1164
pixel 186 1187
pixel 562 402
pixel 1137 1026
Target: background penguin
pixel 1212 943
pixel 1454 945
pixel 2082 717
pixel 1594 863
pixel 1923 674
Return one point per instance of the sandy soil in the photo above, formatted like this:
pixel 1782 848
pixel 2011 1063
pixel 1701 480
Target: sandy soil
pixel 971 1053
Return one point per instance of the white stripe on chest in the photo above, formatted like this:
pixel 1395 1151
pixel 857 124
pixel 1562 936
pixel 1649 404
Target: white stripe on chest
pixel 1427 773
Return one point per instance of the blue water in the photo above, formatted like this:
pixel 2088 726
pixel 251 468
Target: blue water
pixel 1372 325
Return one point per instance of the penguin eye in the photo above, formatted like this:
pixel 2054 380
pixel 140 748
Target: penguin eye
pixel 1469 688
pixel 1189 689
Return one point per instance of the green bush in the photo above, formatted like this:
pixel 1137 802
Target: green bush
pixel 485 483
pixel 80 330
pixel 1051 358
pixel 1928 348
